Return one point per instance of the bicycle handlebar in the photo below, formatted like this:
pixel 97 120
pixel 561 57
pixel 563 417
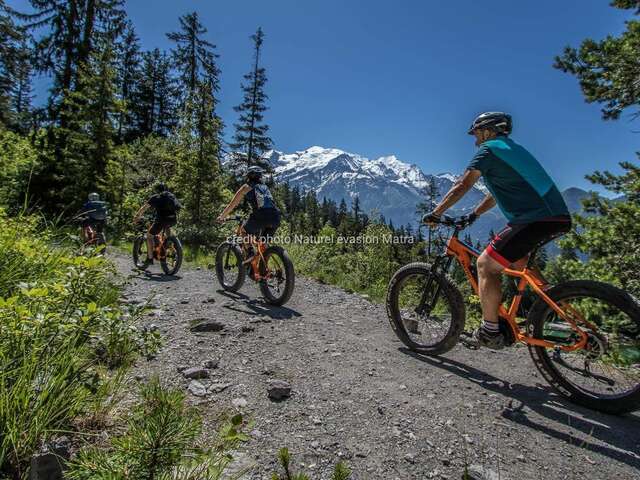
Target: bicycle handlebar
pixel 458 222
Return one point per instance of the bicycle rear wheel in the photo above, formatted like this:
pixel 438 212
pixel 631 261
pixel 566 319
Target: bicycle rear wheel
pixel 428 332
pixel 172 260
pixel 605 375
pixel 278 276
pixel 230 271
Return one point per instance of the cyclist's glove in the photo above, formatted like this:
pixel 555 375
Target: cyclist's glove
pixel 469 219
pixel 431 218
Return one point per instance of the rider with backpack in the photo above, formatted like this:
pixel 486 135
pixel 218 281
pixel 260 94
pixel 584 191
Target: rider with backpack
pixel 166 207
pixel 265 216
pixel 94 213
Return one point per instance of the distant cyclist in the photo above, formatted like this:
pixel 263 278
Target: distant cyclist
pixel 528 198
pixel 166 207
pixel 94 213
pixel 265 216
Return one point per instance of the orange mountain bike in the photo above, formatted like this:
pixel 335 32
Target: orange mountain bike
pixel 583 336
pixel 244 255
pixel 167 248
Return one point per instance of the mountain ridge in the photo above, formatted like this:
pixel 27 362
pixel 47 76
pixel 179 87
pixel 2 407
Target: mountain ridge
pixel 385 186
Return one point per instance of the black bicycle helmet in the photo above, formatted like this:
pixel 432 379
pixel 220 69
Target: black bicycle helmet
pixel 160 187
pixel 499 122
pixel 93 197
pixel 255 173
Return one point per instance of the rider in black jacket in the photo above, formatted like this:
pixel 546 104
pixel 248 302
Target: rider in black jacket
pixel 166 207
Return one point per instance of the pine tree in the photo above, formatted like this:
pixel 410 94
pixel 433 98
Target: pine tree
pixel 251 139
pixel 607 70
pixel 92 129
pixel 88 137
pixel 154 105
pixel 356 209
pixel 128 78
pixel 15 74
pixel 194 57
pixel 198 179
pixel 71 30
pixel 312 214
pixel 73 36
pixel 431 194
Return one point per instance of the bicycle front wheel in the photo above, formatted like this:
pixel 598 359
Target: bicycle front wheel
pixel 230 271
pixel 430 331
pixel 139 251
pixel 172 260
pixel 605 374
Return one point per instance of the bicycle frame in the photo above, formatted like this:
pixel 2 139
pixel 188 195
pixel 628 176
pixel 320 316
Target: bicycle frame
pixel 259 246
pixel 527 277
pixel 159 250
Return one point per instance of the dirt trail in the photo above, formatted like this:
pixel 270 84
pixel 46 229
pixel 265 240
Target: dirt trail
pixel 358 395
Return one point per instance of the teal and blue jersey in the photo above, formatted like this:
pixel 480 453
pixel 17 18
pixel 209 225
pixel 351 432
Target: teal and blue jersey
pixel 521 187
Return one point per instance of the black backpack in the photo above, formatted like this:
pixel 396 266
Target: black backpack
pixel 166 204
pixel 96 210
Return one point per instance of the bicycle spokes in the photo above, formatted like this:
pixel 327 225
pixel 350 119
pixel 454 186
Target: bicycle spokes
pixel 426 317
pixel 274 274
pixel 609 363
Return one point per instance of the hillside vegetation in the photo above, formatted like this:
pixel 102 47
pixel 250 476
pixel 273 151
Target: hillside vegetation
pixel 117 119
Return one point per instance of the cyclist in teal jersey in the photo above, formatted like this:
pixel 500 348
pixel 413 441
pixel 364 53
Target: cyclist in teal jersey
pixel 535 211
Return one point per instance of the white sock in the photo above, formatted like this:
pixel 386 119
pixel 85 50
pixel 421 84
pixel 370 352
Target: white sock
pixel 491 327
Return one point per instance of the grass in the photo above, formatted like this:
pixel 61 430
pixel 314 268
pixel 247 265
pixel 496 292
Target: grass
pixel 161 441
pixel 64 341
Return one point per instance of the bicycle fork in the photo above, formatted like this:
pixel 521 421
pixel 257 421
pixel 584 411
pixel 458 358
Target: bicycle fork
pixel 426 306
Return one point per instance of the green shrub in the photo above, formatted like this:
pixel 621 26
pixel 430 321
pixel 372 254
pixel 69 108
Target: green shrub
pixel 18 158
pixel 340 472
pixel 64 340
pixel 160 443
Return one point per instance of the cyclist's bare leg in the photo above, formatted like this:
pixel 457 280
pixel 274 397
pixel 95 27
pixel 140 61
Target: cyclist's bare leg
pixel 490 286
pixel 247 240
pixel 149 246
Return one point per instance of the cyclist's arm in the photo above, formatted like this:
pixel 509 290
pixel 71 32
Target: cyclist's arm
pixel 487 203
pixel 462 186
pixel 235 201
pixel 140 212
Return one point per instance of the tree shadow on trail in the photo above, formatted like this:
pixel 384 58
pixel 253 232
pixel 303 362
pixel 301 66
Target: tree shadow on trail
pixel 257 307
pixel 618 433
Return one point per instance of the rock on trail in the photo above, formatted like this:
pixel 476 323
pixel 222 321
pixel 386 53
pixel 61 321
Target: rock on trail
pixel 355 394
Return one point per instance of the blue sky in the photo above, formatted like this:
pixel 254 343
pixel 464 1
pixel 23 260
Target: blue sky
pixel 406 77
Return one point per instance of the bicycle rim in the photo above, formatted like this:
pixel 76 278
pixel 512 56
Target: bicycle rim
pixel 231 265
pixel 275 275
pixel 424 328
pixel 609 365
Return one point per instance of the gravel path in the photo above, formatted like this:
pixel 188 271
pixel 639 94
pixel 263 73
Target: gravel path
pixel 358 395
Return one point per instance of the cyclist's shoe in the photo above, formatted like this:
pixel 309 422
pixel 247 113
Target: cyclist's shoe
pixel 146 263
pixel 483 338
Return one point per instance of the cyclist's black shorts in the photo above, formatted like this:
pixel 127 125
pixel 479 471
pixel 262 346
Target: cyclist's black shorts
pixel 98 225
pixel 263 222
pixel 160 223
pixel 516 241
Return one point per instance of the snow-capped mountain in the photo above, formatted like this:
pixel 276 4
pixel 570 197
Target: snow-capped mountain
pixel 384 186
